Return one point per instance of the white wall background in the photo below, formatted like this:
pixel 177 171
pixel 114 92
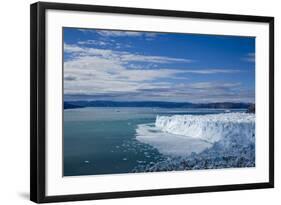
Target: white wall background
pixel 14 101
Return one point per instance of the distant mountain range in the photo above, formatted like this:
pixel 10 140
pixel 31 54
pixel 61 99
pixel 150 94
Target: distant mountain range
pixel 222 105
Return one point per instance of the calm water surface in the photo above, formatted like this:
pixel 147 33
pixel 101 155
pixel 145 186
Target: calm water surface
pixel 103 140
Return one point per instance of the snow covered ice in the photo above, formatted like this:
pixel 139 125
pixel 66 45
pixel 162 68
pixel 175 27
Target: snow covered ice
pixel 193 142
pixel 212 128
pixel 184 134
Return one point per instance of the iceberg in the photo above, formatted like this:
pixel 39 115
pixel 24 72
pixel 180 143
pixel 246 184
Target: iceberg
pixel 182 135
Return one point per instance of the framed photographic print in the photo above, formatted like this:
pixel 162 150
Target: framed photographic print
pixel 129 102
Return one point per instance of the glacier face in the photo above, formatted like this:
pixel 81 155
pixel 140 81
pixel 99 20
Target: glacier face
pixel 194 142
pixel 182 135
pixel 226 127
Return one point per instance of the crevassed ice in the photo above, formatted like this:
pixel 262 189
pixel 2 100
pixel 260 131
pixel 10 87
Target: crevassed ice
pixel 212 128
pixel 184 134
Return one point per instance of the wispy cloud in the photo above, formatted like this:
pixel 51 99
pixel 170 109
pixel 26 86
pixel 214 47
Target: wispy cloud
pixel 100 70
pixel 191 92
pixel 250 57
pixel 109 75
pixel 125 65
pixel 122 56
pixel 147 35
pixel 104 43
pixel 94 42
pixel 214 85
pixel 112 33
pixel 212 71
pixel 118 33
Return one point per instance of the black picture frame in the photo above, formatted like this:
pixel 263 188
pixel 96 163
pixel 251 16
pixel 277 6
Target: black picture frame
pixel 38 101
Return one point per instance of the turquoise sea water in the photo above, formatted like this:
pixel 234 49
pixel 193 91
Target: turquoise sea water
pixel 103 140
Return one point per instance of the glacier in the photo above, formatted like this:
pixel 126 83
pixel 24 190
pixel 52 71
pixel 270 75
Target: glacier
pixel 185 134
pixel 201 141
pixel 227 127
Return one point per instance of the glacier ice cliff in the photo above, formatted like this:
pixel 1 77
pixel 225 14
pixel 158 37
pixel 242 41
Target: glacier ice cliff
pixel 201 141
pixel 226 127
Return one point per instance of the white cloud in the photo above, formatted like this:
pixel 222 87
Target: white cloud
pixel 118 33
pixel 213 71
pixel 105 71
pixel 109 75
pixel 94 42
pixel 152 59
pixel 213 85
pixel 72 48
pixel 123 56
pixel 104 43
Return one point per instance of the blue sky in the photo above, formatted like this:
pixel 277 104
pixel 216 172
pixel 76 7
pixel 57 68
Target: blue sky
pixel 151 66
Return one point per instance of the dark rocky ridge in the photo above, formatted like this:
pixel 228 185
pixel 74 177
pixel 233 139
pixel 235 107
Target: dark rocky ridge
pixel 219 105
